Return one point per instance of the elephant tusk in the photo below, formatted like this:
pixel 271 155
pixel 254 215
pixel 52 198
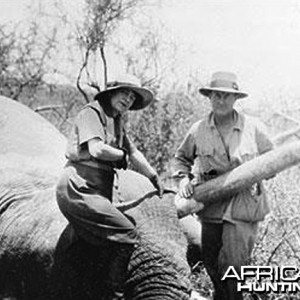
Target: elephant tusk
pixel 133 203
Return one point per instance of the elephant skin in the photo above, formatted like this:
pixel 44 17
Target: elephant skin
pixel 41 257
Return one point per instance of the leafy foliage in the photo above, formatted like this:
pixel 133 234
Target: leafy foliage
pixel 23 61
pixel 158 130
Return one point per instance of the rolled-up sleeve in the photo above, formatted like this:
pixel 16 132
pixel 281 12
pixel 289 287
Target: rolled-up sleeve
pixel 89 126
pixel 184 156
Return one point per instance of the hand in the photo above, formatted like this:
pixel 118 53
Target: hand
pixel 186 188
pixel 157 183
pixel 123 162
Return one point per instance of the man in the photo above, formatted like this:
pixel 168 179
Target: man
pixel 220 142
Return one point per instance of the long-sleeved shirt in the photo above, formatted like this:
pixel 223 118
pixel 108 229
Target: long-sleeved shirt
pixel 204 154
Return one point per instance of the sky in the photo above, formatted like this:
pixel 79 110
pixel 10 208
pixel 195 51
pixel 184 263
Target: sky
pixel 259 40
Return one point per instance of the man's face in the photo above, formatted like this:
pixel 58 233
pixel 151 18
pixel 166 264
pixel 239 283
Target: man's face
pixel 222 102
pixel 122 100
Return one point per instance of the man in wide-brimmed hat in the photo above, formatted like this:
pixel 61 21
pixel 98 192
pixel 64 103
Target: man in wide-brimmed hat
pixel 220 142
pixel 98 147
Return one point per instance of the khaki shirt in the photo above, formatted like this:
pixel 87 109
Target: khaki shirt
pixel 92 122
pixel 203 153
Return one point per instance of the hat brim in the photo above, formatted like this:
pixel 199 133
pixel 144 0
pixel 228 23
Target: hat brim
pixel 207 90
pixel 143 96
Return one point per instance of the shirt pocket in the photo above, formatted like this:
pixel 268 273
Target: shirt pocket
pixel 205 156
pixel 250 205
pixel 245 152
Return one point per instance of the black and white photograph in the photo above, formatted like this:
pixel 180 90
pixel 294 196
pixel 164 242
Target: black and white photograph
pixel 149 150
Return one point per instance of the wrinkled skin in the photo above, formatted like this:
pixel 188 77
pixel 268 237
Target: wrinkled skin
pixel 41 258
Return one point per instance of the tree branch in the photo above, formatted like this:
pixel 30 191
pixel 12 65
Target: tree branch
pixel 104 65
pixel 86 57
pixel 48 107
pixel 287 117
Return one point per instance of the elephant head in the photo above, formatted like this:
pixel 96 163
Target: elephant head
pixel 41 257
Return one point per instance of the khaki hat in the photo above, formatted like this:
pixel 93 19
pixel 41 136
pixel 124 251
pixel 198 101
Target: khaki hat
pixel 223 82
pixel 143 95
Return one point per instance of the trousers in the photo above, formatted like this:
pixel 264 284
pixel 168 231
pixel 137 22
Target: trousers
pixel 84 196
pixel 227 244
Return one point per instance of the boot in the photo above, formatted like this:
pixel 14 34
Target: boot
pixel 118 270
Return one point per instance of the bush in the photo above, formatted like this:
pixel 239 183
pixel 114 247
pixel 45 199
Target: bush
pixel 158 130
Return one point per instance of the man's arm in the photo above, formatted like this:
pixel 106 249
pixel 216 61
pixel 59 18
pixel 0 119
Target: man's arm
pixel 183 162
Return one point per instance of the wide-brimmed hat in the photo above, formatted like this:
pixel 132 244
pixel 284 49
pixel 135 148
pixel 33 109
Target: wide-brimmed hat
pixel 223 82
pixel 143 95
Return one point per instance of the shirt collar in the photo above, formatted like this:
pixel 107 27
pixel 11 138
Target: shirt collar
pixel 238 124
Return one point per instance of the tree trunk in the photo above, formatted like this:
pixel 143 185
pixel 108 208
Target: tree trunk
pixel 226 185
pixel 287 136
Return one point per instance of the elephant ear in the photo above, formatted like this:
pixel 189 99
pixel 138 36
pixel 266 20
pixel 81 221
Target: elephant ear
pixel 31 153
pixel 130 185
pixel 28 141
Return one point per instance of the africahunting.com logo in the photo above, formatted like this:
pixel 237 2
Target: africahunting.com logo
pixel 262 279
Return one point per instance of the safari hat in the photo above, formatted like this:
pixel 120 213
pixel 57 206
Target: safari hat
pixel 223 82
pixel 143 95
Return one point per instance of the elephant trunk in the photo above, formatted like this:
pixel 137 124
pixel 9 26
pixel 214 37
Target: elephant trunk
pixel 158 268
pixel 153 276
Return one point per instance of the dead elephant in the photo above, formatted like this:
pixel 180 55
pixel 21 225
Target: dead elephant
pixel 39 259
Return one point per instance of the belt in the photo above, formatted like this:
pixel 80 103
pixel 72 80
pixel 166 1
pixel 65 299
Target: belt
pixel 94 164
